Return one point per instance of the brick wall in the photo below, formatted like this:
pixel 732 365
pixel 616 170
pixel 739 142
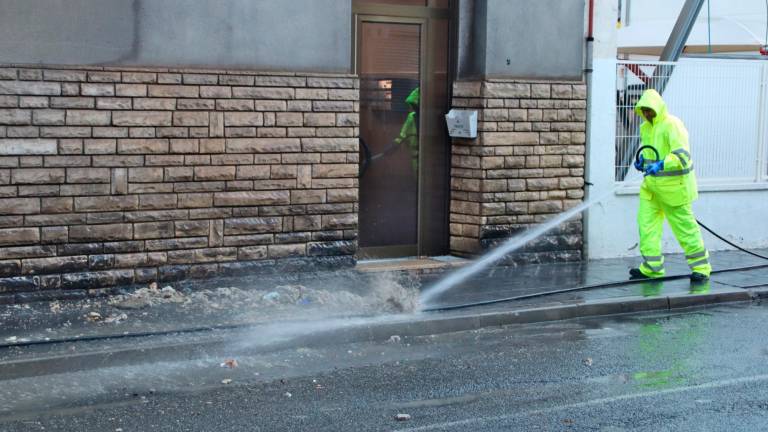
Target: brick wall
pixel 526 164
pixel 113 176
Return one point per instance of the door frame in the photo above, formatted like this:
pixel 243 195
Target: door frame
pixel 418 15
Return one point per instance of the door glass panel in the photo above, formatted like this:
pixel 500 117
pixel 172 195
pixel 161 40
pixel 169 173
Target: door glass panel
pixel 389 133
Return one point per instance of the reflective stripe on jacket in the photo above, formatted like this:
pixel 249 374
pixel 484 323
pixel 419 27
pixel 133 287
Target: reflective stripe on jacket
pixel 676 184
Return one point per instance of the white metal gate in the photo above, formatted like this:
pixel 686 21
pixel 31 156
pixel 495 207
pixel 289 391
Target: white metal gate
pixel 723 103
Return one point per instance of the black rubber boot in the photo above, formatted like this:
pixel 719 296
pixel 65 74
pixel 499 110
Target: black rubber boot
pixel 635 273
pixel 698 277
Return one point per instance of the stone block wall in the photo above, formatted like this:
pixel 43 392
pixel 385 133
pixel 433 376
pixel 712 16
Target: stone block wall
pixel 526 165
pixel 113 176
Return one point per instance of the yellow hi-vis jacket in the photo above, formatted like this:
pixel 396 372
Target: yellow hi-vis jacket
pixel 675 185
pixel 409 133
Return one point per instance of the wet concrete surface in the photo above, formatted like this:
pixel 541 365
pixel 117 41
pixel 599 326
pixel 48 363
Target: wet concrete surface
pixel 504 282
pixel 703 369
pixel 239 301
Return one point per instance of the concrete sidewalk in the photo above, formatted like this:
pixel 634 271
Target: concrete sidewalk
pixel 197 306
pixel 505 282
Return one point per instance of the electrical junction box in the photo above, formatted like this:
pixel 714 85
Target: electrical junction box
pixel 462 123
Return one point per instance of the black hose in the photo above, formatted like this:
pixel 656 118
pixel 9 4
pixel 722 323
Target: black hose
pixel 639 152
pixel 656 152
pixel 586 288
pixel 125 335
pixel 731 243
pixel 366 162
pixel 436 309
pixel 609 284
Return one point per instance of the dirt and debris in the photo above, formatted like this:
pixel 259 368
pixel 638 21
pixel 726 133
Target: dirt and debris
pixel 131 303
pixel 402 417
pixel 383 295
pixel 380 293
pixel 394 339
pixel 115 318
pixel 588 361
pixel 168 292
pixel 226 381
pixel 229 363
pixel 55 306
pixel 271 296
pixel 221 301
pixel 149 296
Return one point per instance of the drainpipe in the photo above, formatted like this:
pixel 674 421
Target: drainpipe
pixel 588 77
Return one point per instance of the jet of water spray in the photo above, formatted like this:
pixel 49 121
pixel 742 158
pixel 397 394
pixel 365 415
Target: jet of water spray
pixel 510 245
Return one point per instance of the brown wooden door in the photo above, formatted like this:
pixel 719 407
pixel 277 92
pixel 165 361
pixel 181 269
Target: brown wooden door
pixel 401 57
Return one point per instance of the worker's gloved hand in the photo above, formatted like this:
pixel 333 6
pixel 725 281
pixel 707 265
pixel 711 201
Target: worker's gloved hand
pixel 639 163
pixel 654 168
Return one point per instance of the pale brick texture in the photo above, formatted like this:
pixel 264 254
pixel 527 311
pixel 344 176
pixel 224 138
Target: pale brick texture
pixel 122 176
pixel 526 165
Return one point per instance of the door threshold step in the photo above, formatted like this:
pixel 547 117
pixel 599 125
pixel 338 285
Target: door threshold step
pixel 410 264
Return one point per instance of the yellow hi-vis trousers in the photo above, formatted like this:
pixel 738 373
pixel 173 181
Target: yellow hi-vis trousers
pixel 650 220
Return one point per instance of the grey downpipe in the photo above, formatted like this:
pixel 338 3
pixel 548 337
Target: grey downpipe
pixel 588 69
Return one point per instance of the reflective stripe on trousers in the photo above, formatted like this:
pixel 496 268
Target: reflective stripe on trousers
pixel 699 260
pixel 650 221
pixel 654 263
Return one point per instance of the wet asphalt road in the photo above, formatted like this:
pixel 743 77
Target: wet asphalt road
pixel 700 370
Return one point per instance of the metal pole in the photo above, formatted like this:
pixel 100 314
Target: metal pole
pixel 681 30
pixel 762 142
pixel 676 42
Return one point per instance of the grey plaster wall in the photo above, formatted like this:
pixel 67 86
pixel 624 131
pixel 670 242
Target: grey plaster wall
pixel 535 38
pixel 300 35
pixel 521 39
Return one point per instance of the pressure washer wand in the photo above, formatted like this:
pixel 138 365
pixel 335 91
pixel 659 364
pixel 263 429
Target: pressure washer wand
pixel 368 158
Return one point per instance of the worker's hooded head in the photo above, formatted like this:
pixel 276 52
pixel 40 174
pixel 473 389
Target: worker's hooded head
pixel 651 99
pixel 413 99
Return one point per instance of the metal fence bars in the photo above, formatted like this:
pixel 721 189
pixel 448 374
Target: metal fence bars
pixel 723 103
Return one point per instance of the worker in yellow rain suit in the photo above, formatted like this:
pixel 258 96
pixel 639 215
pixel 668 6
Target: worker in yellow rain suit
pixel 668 189
pixel 409 133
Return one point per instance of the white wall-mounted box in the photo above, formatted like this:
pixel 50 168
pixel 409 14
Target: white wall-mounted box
pixel 462 123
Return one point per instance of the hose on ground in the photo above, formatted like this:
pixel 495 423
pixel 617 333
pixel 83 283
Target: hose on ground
pixel 585 288
pixel 611 284
pixel 723 239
